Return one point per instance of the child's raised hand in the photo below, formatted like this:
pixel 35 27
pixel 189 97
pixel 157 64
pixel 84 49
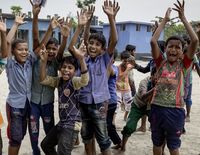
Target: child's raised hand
pixel 2 24
pixel 65 27
pixel 19 19
pixel 116 8
pixel 167 14
pixel 108 8
pixel 154 27
pixel 81 51
pixel 180 9
pixel 55 22
pixel 35 8
pixel 43 54
pixel 90 11
pixel 82 18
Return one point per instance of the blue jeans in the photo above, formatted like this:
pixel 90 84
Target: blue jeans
pixel 94 123
pixel 63 137
pixel 112 133
pixel 17 123
pixel 46 112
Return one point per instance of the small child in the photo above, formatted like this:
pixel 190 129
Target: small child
pixel 3 50
pixel 123 88
pixel 167 114
pixel 65 133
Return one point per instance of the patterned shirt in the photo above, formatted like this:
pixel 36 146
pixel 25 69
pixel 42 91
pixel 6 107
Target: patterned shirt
pixel 68 94
pixel 169 89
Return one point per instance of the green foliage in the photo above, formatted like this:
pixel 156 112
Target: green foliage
pixel 15 9
pixel 84 3
pixel 174 30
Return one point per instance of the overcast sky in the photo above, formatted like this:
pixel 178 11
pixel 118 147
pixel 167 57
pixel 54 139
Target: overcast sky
pixel 130 10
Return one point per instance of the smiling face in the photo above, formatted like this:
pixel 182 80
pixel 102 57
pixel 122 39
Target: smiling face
pixel 21 52
pixel 67 71
pixel 174 50
pixel 52 50
pixel 94 48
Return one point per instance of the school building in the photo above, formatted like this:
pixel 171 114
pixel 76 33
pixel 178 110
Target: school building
pixel 129 32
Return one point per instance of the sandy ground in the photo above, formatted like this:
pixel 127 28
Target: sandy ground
pixel 139 143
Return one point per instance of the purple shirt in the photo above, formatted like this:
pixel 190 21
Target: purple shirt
pixel 97 89
pixel 19 81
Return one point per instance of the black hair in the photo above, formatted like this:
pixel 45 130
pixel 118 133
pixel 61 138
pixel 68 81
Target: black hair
pixel 130 47
pixel 100 37
pixel 115 54
pixel 161 44
pixel 153 71
pixel 16 42
pixel 175 38
pixel 69 60
pixel 53 41
pixel 125 55
pixel 186 38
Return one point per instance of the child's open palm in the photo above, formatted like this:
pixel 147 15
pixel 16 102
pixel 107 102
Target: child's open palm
pixel 35 8
pixel 65 27
pixel 90 12
pixel 43 54
pixel 108 8
pixel 80 52
pixel 82 18
pixel 2 24
pixel 19 19
pixel 180 9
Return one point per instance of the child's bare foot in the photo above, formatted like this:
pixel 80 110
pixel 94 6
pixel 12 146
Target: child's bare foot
pixel 142 129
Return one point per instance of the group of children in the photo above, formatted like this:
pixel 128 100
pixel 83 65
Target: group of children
pixel 91 87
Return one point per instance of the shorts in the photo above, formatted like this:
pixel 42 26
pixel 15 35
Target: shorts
pixel 166 124
pixel 124 98
pixel 17 123
pixel 94 123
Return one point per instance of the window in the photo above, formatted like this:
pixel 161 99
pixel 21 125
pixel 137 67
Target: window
pixel 123 27
pixel 138 27
pixel 148 28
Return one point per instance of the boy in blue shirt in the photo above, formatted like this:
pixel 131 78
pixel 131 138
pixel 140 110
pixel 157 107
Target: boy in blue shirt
pixel 95 96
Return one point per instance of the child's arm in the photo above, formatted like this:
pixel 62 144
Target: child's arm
pixel 193 37
pixel 64 30
pixel 155 50
pixel 55 22
pixel 82 81
pixel 35 10
pixel 19 20
pixel 111 11
pixel 44 78
pixel 89 15
pixel 3 52
pixel 43 63
pixel 82 20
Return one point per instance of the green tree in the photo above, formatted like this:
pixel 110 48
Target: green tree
pixel 15 9
pixel 84 3
pixel 174 29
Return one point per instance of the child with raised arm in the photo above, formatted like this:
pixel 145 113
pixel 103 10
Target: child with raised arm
pixel 19 73
pixel 94 97
pixel 3 51
pixel 42 96
pixel 167 114
pixel 64 134
pixel 140 107
pixel 124 95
